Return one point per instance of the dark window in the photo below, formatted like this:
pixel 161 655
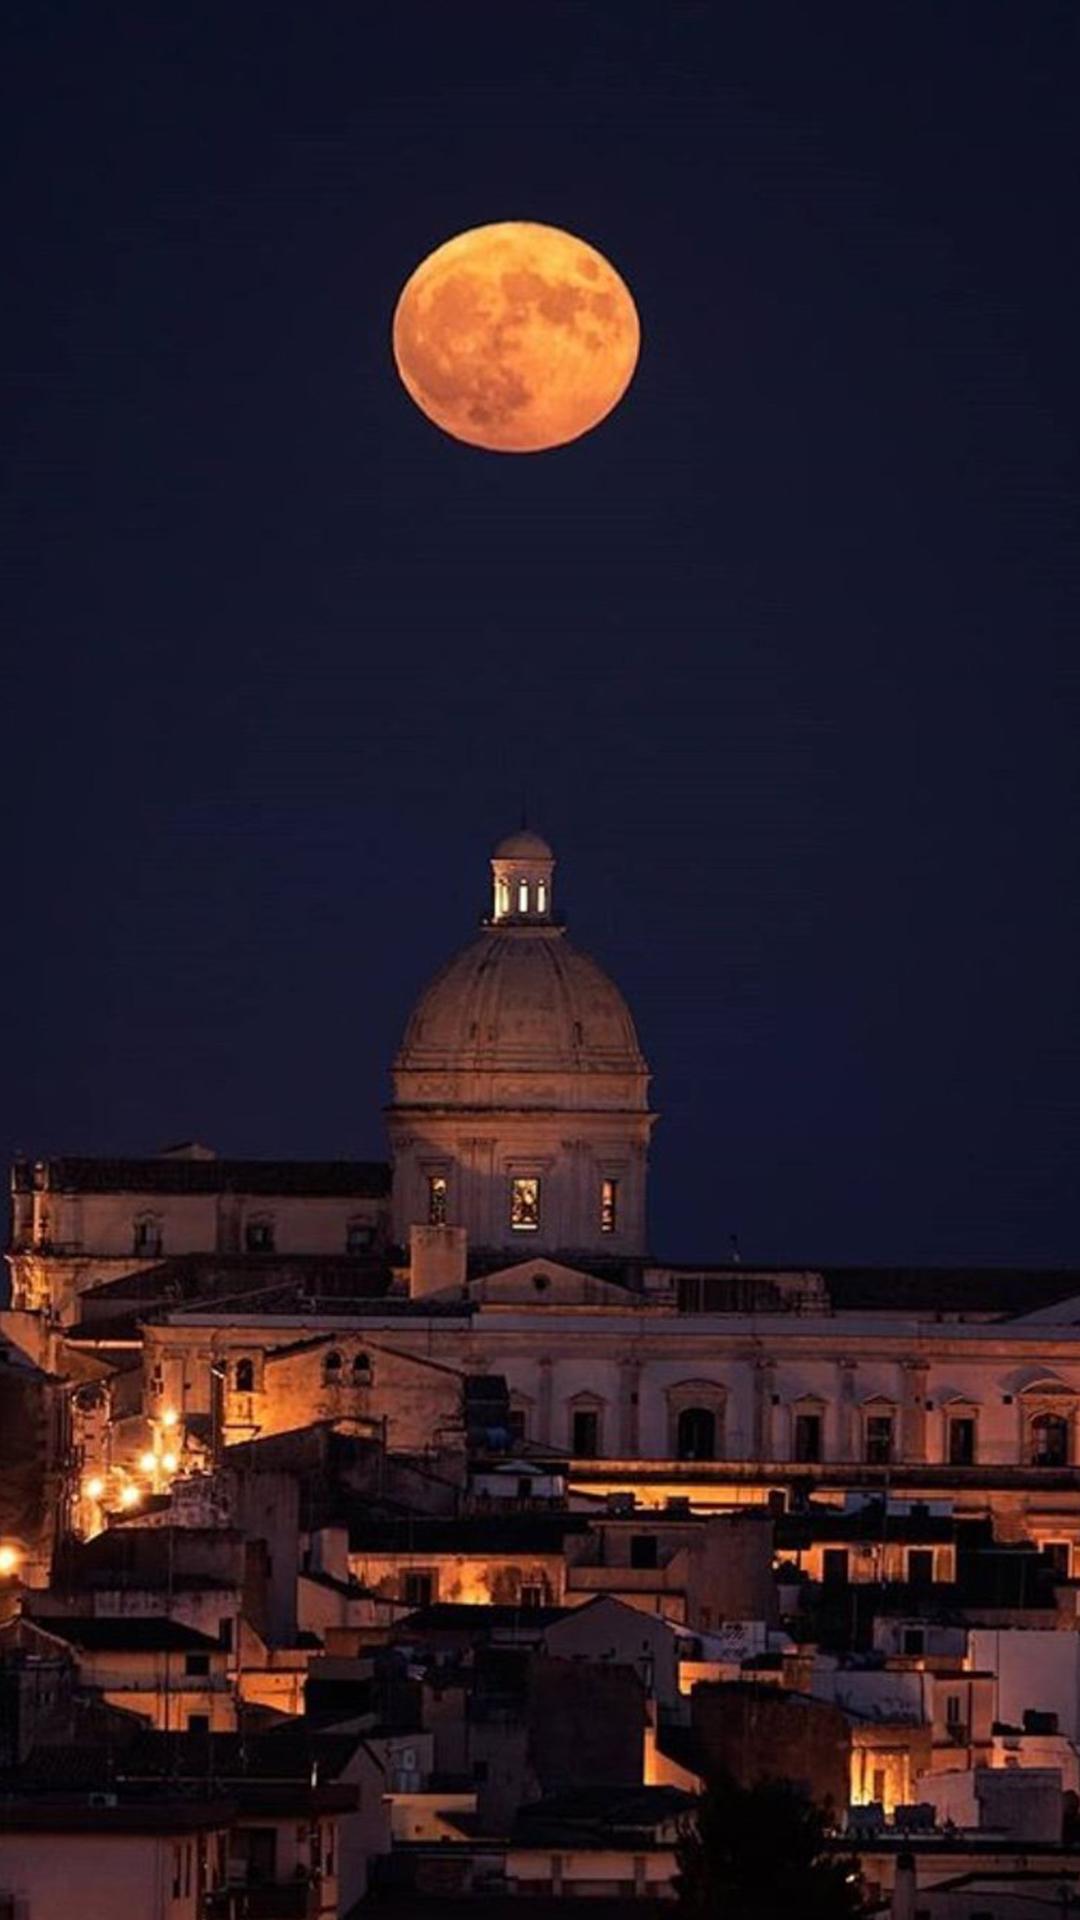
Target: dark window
pixel 259 1236
pixel 524 1487
pixel 1049 1440
pixel 920 1566
pixel 361 1367
pixel 148 1237
pixel 695 1434
pixel 644 1549
pixel 807 1436
pixel 245 1376
pixel 197 1665
pixel 834 1566
pixel 961 1441
pixel 914 1640
pixel 359 1235
pixel 417 1588
pixel 332 1369
pixel 533 1596
pixel 518 1424
pixel 1056 1555
pixel 585 1437
pixel 198 1723
pixel 879 1439
pixel 480 1772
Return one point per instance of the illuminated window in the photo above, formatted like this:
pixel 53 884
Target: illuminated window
pixel 502 897
pixel 541 897
pixel 525 1204
pixel 609 1205
pixel 436 1200
pixel 523 896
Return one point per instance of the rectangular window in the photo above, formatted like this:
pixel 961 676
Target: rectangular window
pixel 879 1439
pixel 198 1723
pixel 259 1236
pixel 807 1436
pixel 920 1566
pixel 1056 1555
pixel 585 1434
pixel 518 1425
pixel 962 1441
pixel 197 1665
pixel 914 1640
pixel 418 1588
pixel 643 1550
pixel 436 1200
pixel 523 896
pixel 147 1237
pixel 358 1236
pixel 525 1204
pixel 609 1205
pixel 834 1566
pixel 533 1595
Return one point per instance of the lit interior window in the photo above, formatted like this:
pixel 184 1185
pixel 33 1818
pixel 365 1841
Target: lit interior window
pixel 609 1205
pixel 541 897
pixel 525 1204
pixel 436 1202
pixel 523 896
pixel 502 892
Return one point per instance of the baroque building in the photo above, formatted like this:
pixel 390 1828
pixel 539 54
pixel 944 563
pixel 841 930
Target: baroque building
pixel 185 1303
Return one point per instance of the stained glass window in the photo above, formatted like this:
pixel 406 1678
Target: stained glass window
pixel 609 1205
pixel 525 1204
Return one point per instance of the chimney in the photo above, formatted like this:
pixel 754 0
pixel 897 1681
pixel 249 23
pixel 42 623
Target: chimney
pixel 437 1260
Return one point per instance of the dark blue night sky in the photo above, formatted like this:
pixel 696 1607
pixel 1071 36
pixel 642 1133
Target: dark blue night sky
pixel 784 656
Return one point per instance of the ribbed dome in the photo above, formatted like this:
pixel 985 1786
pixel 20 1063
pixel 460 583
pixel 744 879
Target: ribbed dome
pixel 519 1003
pixel 523 845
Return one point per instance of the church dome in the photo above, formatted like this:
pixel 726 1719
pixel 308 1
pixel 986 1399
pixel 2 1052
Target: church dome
pixel 520 1016
pixel 523 845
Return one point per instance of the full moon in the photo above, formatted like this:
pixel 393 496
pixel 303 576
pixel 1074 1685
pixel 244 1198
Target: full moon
pixel 516 337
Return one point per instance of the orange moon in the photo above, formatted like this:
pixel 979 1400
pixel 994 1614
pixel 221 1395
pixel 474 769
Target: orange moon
pixel 516 337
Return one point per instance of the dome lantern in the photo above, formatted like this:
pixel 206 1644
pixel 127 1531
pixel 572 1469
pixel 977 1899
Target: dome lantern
pixel 522 866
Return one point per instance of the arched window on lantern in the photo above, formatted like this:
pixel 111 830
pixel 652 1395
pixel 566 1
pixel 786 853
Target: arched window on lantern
pixel 523 896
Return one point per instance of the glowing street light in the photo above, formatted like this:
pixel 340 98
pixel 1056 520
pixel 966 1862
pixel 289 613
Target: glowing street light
pixel 94 1487
pixel 130 1496
pixel 9 1560
pixel 170 1417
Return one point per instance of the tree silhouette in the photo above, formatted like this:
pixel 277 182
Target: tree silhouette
pixel 760 1853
